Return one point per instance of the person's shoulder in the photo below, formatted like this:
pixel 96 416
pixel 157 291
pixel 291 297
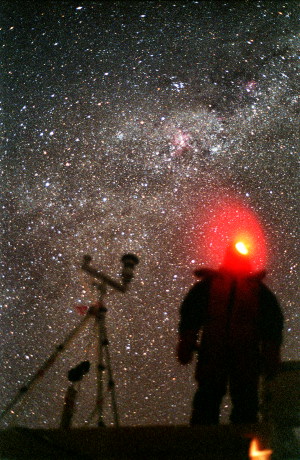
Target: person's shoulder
pixel 258 276
pixel 204 277
pixel 205 273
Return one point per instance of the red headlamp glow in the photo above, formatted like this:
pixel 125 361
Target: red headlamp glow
pixel 229 222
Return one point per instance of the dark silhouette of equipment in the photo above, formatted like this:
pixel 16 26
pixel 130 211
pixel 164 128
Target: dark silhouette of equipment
pixel 98 312
pixel 75 375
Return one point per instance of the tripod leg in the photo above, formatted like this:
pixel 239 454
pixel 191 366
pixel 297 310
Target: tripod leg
pixel 111 384
pixel 104 353
pixel 105 350
pixel 100 370
pixel 47 364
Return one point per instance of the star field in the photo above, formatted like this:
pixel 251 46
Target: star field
pixel 124 124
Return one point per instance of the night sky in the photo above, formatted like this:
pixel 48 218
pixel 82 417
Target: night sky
pixel 127 127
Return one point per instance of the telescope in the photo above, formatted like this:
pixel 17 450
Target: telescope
pixel 129 262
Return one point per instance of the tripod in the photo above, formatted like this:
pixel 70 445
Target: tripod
pixel 97 310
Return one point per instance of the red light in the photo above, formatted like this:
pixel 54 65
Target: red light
pixel 229 222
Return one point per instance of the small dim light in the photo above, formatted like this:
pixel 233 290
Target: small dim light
pixel 241 248
pixel 256 454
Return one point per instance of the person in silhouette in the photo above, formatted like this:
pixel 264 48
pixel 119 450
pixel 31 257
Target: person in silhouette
pixel 234 322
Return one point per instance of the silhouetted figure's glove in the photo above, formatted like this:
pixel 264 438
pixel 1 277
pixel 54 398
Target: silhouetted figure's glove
pixel 185 347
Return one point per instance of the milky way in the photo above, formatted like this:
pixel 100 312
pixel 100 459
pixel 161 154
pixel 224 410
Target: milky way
pixel 124 126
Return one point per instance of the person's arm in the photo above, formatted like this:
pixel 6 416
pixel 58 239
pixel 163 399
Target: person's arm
pixel 192 312
pixel 271 328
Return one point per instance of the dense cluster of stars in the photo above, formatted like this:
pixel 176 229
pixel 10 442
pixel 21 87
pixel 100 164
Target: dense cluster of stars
pixel 124 126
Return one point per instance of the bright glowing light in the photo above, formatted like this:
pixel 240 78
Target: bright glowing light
pixel 224 221
pixel 256 454
pixel 242 248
